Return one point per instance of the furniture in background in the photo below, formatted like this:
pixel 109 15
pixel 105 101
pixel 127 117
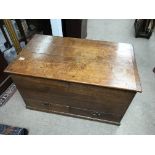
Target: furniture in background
pixel 26 28
pixel 76 28
pixel 21 29
pixel 33 26
pixel 144 27
pixel 12 34
pixel 76 77
pixel 44 26
pixel 5 80
pixel 7 44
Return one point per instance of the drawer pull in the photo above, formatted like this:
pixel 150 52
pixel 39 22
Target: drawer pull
pixel 96 114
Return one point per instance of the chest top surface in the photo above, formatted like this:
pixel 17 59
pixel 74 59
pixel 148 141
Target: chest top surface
pixel 84 61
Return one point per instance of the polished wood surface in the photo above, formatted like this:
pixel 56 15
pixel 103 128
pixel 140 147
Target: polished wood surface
pixel 96 80
pixel 99 63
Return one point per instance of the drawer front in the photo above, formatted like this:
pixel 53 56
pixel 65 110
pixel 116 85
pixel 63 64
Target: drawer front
pixel 73 111
pixel 45 106
pixel 95 115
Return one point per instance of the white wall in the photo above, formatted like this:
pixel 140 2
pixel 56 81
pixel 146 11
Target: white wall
pixel 56 27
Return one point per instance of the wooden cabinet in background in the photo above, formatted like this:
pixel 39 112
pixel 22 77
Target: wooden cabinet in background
pixel 144 28
pixel 76 28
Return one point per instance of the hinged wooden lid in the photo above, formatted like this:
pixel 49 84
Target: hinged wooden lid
pixel 84 61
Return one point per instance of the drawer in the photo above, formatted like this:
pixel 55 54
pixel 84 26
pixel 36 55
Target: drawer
pixel 45 106
pixel 95 115
pixel 72 111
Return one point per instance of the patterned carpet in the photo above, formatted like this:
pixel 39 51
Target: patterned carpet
pixel 6 129
pixel 9 130
pixel 7 94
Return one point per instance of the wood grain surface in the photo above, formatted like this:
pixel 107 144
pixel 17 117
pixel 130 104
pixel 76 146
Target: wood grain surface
pixel 89 79
pixel 111 101
pixel 74 99
pixel 100 63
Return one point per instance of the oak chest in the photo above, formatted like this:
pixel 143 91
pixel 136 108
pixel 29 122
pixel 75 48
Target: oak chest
pixel 89 79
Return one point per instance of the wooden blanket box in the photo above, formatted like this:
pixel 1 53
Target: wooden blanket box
pixel 90 79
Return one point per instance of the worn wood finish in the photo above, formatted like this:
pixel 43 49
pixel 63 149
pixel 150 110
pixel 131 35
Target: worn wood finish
pixel 78 60
pixel 72 111
pixel 77 77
